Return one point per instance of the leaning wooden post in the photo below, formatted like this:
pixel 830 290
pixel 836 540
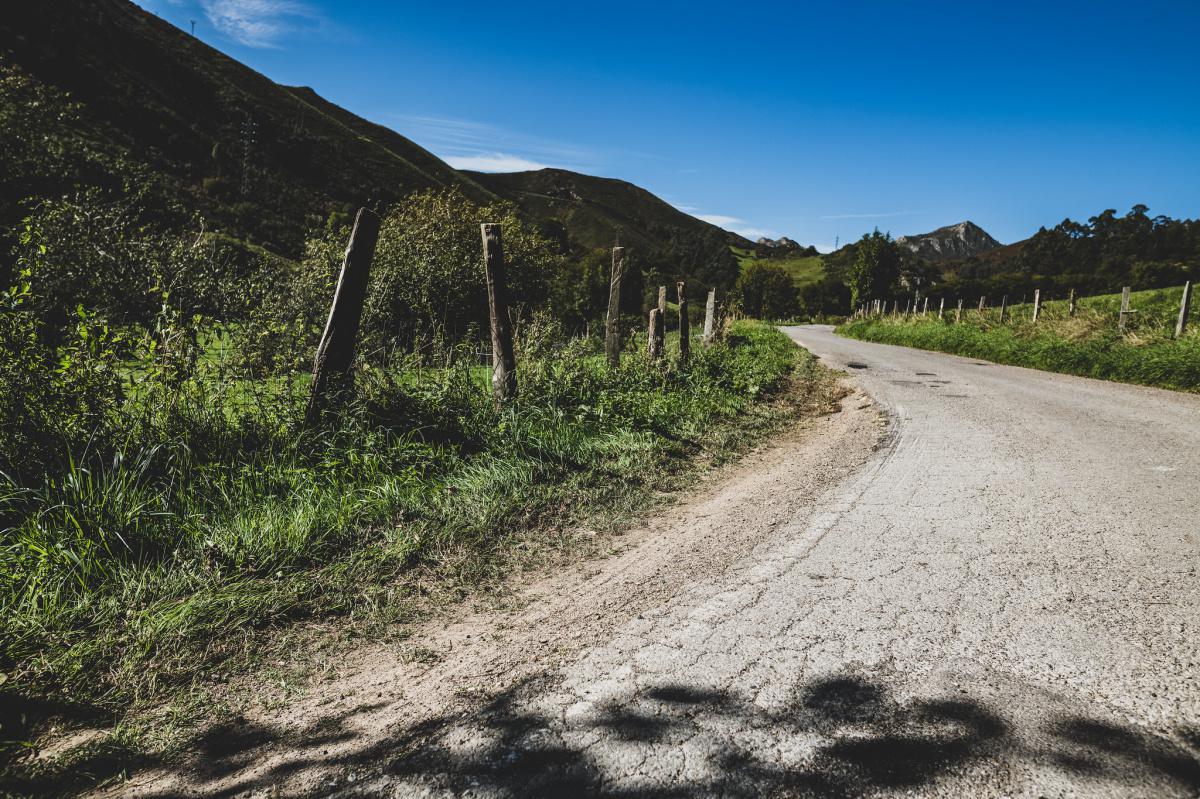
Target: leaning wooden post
pixel 1037 303
pixel 1124 309
pixel 941 308
pixel 504 363
pixel 685 342
pixel 653 342
pixel 925 307
pixel 335 352
pixel 981 301
pixel 1003 307
pixel 895 307
pixel 612 327
pixel 1185 305
pixel 907 306
pixel 958 313
pixel 1071 304
pixel 710 311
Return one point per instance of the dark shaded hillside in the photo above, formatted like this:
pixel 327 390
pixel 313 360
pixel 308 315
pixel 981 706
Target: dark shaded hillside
pixel 261 160
pixel 593 212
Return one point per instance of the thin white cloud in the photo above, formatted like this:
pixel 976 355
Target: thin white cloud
pixel 719 220
pixel 737 225
pixel 490 148
pixel 886 215
pixel 494 162
pixel 263 23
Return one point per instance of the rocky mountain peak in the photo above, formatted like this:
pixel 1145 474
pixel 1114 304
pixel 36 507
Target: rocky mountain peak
pixel 962 240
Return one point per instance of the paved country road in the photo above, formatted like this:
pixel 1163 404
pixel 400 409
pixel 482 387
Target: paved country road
pixel 1001 600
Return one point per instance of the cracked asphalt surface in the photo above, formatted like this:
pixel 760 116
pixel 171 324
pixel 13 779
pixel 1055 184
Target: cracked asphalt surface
pixel 1001 602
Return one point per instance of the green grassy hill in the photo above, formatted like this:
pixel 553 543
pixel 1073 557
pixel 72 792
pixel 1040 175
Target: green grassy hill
pixel 804 270
pixel 1087 344
pixel 102 93
pixel 260 160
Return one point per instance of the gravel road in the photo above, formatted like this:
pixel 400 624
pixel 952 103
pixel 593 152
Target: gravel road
pixel 1000 600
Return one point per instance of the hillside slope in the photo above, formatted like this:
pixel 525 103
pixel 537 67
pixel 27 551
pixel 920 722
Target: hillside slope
pixel 258 159
pixel 594 212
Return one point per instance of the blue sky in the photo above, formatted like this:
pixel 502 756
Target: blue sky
pixel 820 121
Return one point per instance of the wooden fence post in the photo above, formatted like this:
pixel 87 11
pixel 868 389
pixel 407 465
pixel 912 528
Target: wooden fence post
pixel 612 326
pixel 895 307
pixel 925 307
pixel 958 313
pixel 504 362
pixel 1003 307
pixel 1037 303
pixel 685 342
pixel 907 306
pixel 1071 304
pixel 1185 305
pixel 335 352
pixel 941 308
pixel 981 301
pixel 1124 309
pixel 710 311
pixel 653 342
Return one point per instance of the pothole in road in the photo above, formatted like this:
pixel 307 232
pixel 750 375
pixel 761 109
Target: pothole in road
pixel 856 365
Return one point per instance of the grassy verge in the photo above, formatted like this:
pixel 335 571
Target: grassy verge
pixel 135 582
pixel 1087 344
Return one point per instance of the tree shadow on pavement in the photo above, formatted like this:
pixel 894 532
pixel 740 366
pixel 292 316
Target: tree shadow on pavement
pixel 843 735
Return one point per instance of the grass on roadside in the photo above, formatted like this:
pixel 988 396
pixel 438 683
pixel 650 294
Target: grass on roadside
pixel 1087 344
pixel 128 583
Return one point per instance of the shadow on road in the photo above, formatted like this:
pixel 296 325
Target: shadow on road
pixel 839 736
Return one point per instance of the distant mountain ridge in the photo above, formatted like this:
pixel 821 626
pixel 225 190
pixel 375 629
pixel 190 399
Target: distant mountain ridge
pixel 949 243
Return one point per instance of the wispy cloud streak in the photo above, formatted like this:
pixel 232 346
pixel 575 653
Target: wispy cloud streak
pixel 263 23
pixel 465 144
pixel 885 215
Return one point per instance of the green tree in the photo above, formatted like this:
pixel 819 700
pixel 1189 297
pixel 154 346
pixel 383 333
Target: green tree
pixel 766 291
pixel 875 270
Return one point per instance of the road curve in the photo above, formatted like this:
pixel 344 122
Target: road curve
pixel 1002 601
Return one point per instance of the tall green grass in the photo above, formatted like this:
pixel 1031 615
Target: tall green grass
pixel 1088 344
pixel 125 578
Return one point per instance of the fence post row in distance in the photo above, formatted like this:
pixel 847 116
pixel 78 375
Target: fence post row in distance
pixel 335 352
pixel 504 362
pixel 612 326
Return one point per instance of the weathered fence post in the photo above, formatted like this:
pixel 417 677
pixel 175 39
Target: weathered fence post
pixel 941 308
pixel 653 342
pixel 612 326
pixel 685 343
pixel 660 332
pixel 504 362
pixel 981 301
pixel 1124 309
pixel 1037 303
pixel 710 312
pixel 958 313
pixel 907 307
pixel 1003 307
pixel 925 307
pixel 1185 305
pixel 1071 304
pixel 335 352
pixel 895 307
